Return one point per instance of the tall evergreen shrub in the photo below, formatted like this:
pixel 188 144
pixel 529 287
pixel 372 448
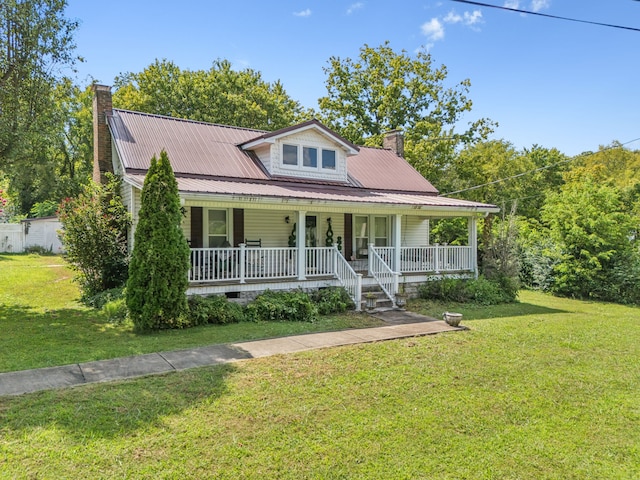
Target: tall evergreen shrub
pixel 156 289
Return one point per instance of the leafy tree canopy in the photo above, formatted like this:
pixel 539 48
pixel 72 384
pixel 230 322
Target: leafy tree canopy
pixel 57 161
pixel 218 95
pixel 589 222
pixel 383 90
pixel 36 42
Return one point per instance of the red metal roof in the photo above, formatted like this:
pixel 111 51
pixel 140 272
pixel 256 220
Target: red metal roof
pixel 382 169
pixel 193 147
pixel 207 158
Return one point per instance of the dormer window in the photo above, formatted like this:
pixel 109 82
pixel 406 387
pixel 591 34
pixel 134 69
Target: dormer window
pixel 307 157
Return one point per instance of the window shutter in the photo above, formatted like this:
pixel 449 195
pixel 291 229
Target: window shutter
pixel 238 226
pixel 196 227
pixel 347 245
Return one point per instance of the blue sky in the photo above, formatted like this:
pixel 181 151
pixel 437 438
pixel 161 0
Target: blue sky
pixel 547 82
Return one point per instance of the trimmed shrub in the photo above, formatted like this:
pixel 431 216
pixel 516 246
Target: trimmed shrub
pixel 332 300
pixel 295 306
pixel 157 285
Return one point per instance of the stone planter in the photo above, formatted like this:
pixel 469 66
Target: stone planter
pixel 401 300
pixel 452 318
pixel 370 301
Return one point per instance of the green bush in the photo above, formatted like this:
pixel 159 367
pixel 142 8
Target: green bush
pixel 481 291
pixel 446 289
pixel 115 310
pixel 332 300
pixel 490 292
pixel 95 236
pixel 99 300
pixel 214 310
pixel 273 306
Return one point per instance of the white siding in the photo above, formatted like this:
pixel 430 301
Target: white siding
pixel 264 154
pixel 415 231
pixel 270 226
pixel 309 138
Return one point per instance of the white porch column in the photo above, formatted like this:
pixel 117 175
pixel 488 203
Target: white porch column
pixel 472 227
pixel 300 244
pixel 397 242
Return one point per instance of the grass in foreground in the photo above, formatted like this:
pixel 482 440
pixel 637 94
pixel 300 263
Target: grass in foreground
pixel 42 324
pixel 545 390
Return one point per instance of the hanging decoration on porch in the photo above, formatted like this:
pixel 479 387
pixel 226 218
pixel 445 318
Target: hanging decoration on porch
pixel 292 237
pixel 329 240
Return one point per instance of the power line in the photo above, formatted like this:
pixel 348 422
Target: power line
pixel 475 187
pixel 481 4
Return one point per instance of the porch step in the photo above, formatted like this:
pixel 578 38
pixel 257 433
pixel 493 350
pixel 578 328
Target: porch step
pixel 382 301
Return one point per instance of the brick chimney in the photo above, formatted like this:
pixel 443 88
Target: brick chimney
pixel 102 107
pixel 394 141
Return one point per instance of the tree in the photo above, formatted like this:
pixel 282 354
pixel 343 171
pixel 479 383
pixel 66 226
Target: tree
pixel 383 90
pixel 95 236
pixel 58 160
pixel 35 42
pixel 589 223
pixel 157 285
pixel 218 95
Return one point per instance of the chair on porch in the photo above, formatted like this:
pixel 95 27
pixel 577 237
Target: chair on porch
pixel 255 263
pixel 253 243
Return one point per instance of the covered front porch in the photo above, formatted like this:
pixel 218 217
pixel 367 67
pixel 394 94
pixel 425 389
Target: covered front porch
pixel 252 266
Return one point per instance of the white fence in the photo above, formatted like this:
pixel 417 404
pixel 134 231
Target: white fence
pixel 34 232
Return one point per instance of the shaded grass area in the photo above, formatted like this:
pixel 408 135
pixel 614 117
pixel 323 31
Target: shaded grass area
pixel 43 325
pixel 548 392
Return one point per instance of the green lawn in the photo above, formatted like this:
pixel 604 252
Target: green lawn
pixel 546 389
pixel 43 325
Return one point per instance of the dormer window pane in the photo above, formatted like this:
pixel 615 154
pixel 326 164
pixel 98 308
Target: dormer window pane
pixel 329 159
pixel 290 155
pixel 310 157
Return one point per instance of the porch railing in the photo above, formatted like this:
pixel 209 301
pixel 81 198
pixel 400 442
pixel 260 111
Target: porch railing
pixel 436 259
pixel 380 270
pixel 272 263
pixel 349 279
pixel 320 261
pixel 242 263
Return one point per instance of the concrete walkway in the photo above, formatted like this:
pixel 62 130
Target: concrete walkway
pixel 400 325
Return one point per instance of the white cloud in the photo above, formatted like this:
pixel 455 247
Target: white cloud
pixel 473 17
pixel 537 5
pixel 433 29
pixel 354 7
pixel 452 17
pixel 467 18
pixel 512 4
pixel 303 13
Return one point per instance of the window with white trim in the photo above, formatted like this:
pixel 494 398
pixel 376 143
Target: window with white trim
pixel 216 228
pixel 306 158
